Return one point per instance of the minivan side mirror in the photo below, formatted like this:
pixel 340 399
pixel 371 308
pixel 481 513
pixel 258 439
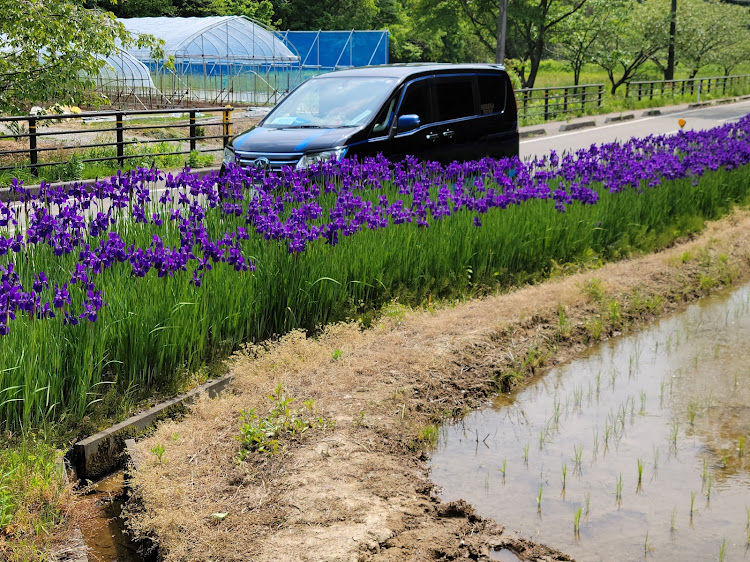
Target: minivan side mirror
pixel 407 122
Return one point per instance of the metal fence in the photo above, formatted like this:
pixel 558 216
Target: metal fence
pixel 722 85
pixel 28 127
pixel 551 103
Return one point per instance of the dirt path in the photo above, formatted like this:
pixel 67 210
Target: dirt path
pixel 355 486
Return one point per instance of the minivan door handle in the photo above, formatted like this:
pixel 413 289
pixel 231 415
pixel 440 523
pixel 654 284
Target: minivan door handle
pixel 432 136
pixel 449 134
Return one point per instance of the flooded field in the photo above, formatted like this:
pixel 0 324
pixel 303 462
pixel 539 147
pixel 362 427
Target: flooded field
pixel 639 448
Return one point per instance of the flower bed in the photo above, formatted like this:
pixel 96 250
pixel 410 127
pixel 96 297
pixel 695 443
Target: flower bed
pixel 131 286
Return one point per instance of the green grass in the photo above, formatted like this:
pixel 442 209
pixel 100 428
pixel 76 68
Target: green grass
pixel 34 497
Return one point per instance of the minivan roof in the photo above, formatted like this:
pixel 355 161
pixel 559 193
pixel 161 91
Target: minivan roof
pixel 407 70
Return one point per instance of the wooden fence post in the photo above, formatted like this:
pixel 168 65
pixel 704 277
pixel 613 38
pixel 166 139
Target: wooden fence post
pixel 192 130
pixel 226 124
pixel 120 139
pixel 33 155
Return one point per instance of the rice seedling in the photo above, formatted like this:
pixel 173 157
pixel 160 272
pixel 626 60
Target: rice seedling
pixel 692 409
pixel 577 521
pixel 526 454
pixel 673 520
pixel 577 398
pixel 741 446
pixel 596 441
pixel 557 410
pixel 692 503
pixel 723 550
pixel 587 503
pixel 662 386
pixel 564 474
pixel 502 469
pixel 539 497
pixel 647 547
pixel 674 431
pixel 618 489
pixel 578 454
pixel 599 381
pixel 640 470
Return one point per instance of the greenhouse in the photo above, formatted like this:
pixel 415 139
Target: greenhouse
pixel 126 82
pixel 217 60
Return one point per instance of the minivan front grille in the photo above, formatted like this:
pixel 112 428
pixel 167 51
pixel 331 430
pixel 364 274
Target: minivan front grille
pixel 269 160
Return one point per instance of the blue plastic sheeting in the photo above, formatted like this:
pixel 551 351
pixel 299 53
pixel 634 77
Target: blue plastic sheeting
pixel 337 49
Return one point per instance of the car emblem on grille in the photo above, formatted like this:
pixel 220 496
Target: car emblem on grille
pixel 260 163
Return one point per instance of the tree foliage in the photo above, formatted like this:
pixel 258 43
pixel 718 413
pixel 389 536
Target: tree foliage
pixel 52 48
pixel 705 30
pixel 575 37
pixel 634 33
pixel 324 14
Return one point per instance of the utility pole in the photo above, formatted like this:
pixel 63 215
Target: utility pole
pixel 502 18
pixel 669 72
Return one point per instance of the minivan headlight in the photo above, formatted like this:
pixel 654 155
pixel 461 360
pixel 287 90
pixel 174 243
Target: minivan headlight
pixel 309 159
pixel 228 157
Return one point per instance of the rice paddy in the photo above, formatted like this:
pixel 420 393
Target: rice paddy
pixel 668 480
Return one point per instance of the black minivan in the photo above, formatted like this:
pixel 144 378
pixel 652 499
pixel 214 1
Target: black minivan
pixel 441 112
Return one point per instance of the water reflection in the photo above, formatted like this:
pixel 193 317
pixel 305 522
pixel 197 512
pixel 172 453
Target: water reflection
pixel 642 441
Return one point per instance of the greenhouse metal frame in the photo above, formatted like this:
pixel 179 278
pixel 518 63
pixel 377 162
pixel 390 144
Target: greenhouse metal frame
pixel 217 60
pixel 126 83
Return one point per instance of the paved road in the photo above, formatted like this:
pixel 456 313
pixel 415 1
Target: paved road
pixel 642 125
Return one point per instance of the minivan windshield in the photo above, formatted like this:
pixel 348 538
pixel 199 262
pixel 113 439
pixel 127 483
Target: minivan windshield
pixel 332 102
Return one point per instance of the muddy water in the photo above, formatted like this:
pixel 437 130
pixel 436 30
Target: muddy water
pixel 674 400
pixel 103 531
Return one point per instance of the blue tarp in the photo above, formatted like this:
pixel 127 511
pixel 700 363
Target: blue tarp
pixel 336 49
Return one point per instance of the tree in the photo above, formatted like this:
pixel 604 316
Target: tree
pixel 634 33
pixel 52 48
pixel 531 24
pixel 259 10
pixel 323 14
pixel 575 36
pixel 705 29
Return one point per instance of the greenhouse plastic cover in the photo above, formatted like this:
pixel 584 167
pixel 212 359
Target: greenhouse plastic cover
pixel 218 38
pixel 122 68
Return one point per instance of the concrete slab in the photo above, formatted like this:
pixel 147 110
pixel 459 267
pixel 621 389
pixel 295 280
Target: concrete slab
pixel 614 118
pixel 578 125
pixel 532 133
pixel 102 453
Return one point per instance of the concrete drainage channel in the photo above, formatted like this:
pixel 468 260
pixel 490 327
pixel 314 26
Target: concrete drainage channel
pixel 97 462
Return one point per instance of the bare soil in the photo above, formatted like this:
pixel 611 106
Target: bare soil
pixel 356 487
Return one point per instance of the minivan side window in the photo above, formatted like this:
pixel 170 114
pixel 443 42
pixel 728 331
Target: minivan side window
pixel 492 94
pixel 455 98
pixel 384 117
pixel 417 101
